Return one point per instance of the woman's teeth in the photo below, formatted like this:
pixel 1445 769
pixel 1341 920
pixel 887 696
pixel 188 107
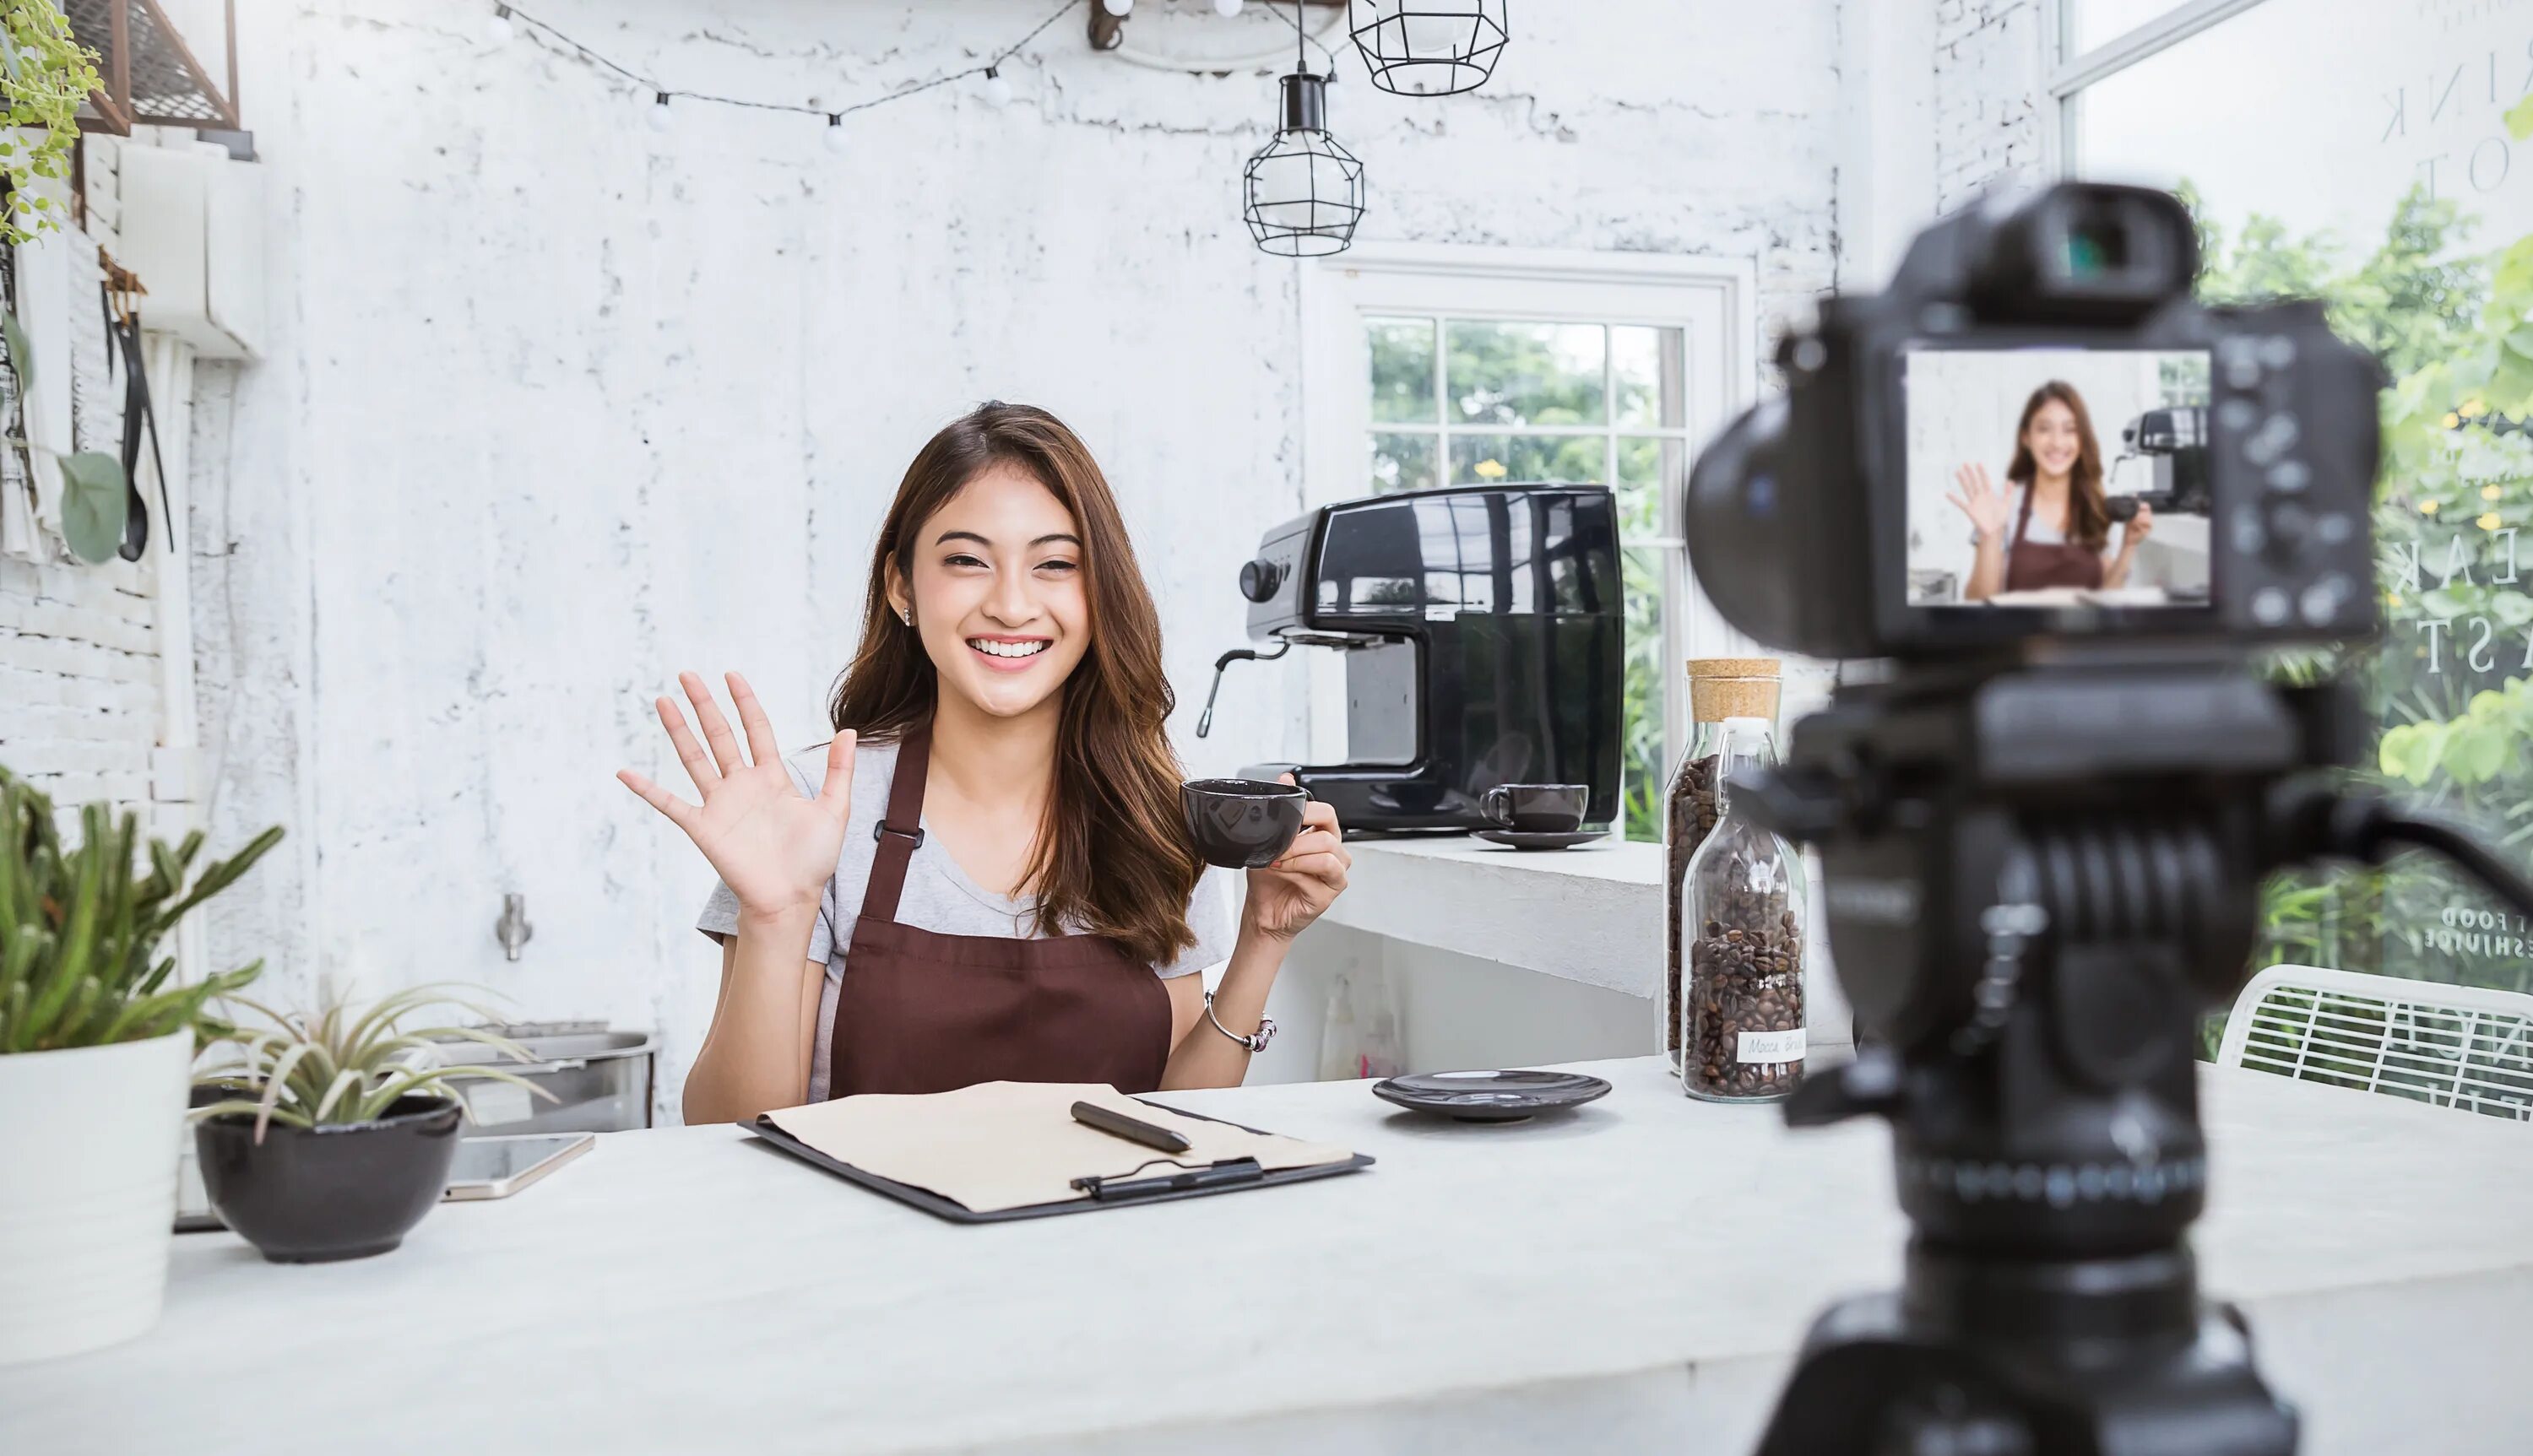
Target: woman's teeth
pixel 1008 649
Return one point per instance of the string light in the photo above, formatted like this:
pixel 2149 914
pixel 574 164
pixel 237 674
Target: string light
pixel 1228 8
pixel 1118 8
pixel 506 19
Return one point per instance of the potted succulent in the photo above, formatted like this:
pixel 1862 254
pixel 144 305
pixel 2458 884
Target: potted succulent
pixel 94 1040
pixel 327 1134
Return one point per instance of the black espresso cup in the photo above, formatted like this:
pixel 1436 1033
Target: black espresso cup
pixel 1537 808
pixel 1242 823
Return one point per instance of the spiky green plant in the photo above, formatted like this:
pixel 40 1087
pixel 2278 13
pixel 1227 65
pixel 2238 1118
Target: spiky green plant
pixel 79 926
pixel 344 1063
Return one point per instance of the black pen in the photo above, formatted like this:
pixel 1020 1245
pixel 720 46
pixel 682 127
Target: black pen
pixel 1187 1179
pixel 1111 1121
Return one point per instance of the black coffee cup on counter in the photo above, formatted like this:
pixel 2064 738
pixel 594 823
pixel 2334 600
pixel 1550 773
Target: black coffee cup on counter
pixel 1242 823
pixel 1537 808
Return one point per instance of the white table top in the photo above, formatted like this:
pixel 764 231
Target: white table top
pixel 1637 1272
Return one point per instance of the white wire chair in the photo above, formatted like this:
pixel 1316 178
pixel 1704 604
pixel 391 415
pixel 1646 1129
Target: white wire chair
pixel 2451 1046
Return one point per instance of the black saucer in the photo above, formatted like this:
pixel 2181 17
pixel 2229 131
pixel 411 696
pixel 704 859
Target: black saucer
pixel 1521 840
pixel 1489 1097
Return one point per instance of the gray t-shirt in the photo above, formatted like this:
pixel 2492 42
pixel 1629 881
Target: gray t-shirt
pixel 938 897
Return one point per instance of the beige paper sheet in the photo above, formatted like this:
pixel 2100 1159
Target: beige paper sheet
pixel 1012 1144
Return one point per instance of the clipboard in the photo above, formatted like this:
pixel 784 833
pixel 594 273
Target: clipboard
pixel 956 1212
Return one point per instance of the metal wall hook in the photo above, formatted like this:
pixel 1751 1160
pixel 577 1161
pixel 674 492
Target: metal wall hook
pixel 513 929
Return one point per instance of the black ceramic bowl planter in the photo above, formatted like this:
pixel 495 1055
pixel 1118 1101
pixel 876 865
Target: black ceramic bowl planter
pixel 308 1196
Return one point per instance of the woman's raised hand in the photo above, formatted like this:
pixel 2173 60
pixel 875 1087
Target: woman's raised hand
pixel 774 849
pixel 1982 502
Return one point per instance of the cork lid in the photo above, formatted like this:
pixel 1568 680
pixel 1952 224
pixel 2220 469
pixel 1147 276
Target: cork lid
pixel 1732 687
pixel 1732 668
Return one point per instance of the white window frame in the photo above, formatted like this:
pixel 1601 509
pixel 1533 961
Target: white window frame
pixel 1713 302
pixel 2062 139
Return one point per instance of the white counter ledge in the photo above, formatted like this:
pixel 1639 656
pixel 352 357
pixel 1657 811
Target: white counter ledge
pixel 1631 1279
pixel 1590 914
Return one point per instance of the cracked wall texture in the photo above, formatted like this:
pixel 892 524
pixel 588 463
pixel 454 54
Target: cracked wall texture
pixel 1990 101
pixel 555 406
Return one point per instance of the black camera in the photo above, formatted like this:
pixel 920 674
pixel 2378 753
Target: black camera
pixel 2028 314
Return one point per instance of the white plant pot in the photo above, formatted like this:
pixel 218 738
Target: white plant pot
pixel 89 1139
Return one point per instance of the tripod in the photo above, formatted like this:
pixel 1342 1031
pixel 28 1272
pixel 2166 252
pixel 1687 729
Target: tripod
pixel 2029 948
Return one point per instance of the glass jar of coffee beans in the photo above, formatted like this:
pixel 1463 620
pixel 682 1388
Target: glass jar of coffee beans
pixel 1718 688
pixel 1741 914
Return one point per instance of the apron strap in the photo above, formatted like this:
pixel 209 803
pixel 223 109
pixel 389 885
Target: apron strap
pixel 901 829
pixel 2022 522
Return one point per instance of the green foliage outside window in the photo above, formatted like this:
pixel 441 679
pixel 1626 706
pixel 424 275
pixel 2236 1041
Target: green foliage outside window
pixel 2451 680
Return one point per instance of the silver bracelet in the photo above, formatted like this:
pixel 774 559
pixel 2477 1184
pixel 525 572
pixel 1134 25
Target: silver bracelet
pixel 1256 1043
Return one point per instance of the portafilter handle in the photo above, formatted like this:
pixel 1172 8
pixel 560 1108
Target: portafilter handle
pixel 1205 720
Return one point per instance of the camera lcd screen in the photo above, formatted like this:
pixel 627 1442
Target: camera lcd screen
pixel 2057 478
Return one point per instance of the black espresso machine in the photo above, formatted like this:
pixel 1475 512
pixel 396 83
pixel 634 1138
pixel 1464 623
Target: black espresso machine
pixel 1484 638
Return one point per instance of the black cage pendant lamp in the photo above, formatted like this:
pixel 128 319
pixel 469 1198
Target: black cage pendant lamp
pixel 1303 191
pixel 1427 47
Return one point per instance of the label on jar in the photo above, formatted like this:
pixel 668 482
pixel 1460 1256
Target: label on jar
pixel 1771 1046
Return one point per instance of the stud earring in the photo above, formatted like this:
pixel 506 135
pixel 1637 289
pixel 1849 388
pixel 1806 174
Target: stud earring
pixel 907 615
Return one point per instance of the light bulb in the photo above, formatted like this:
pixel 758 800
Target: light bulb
pixel 661 119
pixel 497 30
pixel 1227 8
pixel 835 141
pixel 1118 8
pixel 998 90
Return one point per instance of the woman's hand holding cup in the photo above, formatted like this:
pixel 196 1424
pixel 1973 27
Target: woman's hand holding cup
pixel 1287 894
pixel 774 849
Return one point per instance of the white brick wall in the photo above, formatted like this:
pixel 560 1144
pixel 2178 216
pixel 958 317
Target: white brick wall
pixel 1989 96
pixel 80 679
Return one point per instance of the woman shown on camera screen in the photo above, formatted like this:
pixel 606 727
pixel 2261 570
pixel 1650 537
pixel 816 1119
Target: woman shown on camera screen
pixel 2052 525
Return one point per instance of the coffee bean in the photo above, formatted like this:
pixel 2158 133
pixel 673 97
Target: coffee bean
pixel 1689 816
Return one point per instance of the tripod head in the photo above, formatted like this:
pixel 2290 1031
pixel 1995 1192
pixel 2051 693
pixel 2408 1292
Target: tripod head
pixel 2039 874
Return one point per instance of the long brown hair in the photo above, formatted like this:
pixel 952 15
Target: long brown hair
pixel 1112 857
pixel 2088 515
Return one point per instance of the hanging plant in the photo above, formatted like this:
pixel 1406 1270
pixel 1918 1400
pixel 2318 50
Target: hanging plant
pixel 44 75
pixel 97 499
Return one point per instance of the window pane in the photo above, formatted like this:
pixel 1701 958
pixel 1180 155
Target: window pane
pixel 1484 460
pixel 1645 375
pixel 1526 373
pixel 1652 465
pixel 1640 727
pixel 2358 152
pixel 1402 462
pixel 1402 370
pixel 2089 23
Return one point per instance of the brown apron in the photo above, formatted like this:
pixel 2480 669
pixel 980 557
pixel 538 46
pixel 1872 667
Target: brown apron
pixel 921 1011
pixel 2030 565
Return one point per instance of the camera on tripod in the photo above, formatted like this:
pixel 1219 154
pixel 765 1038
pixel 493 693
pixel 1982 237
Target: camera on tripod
pixel 2044 821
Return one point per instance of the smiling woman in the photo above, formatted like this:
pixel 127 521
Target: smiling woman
pixel 992 880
